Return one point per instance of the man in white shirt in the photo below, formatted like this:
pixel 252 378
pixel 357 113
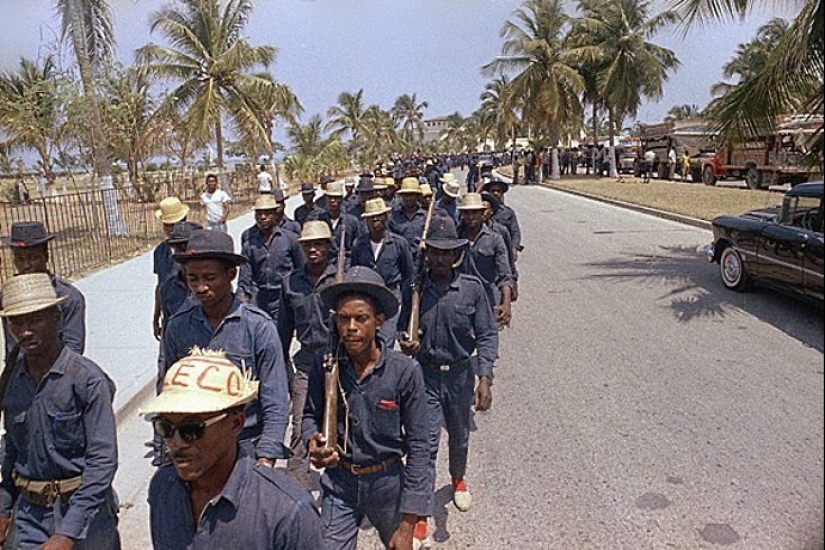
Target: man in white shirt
pixel 216 201
pixel 264 180
pixel 671 163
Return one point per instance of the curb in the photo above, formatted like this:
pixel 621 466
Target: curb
pixel 130 408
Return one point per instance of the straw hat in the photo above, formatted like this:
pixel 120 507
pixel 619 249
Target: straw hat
pixel 335 189
pixel 409 186
pixel 23 294
pixel 375 207
pixel 426 190
pixel 471 201
pixel 171 210
pixel 362 279
pixel 315 230
pixel 452 188
pixel 449 176
pixel 204 381
pixel 26 234
pixel 265 202
pixel 380 184
pixel 205 244
pixel 443 234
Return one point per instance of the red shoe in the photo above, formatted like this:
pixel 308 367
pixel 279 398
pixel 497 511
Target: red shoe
pixel 421 537
pixel 461 495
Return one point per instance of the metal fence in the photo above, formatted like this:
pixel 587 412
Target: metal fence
pixel 98 228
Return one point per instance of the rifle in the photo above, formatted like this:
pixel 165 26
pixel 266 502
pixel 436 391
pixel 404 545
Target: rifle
pixel 329 425
pixel 413 333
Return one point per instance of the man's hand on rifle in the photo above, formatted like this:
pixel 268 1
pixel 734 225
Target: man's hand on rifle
pixel 320 455
pixel 408 347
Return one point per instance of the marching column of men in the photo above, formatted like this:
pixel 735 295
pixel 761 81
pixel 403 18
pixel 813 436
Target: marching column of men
pixel 228 386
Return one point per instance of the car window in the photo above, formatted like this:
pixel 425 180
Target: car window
pixel 804 212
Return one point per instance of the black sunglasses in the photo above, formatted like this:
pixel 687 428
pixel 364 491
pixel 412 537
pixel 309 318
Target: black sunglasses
pixel 188 431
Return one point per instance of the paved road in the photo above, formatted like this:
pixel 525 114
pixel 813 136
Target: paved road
pixel 638 404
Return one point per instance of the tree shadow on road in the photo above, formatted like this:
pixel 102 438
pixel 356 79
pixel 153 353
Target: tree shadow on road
pixel 695 291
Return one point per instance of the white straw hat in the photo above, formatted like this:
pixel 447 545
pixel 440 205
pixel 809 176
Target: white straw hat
pixel 23 294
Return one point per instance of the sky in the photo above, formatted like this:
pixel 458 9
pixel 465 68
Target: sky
pixel 433 48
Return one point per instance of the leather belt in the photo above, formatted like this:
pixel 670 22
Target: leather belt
pixel 46 493
pixel 357 470
pixel 452 366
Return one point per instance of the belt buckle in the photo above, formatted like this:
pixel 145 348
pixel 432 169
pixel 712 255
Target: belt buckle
pixel 354 469
pixel 50 492
pixel 444 368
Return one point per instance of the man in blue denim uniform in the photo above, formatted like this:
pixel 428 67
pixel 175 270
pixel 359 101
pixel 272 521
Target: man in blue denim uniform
pixel 491 206
pixel 29 243
pixel 302 213
pixel 408 221
pixel 382 419
pixel 281 219
pixel 386 253
pixel 487 256
pixel 505 215
pixel 304 314
pixel 211 496
pixel 171 211
pixel 448 201
pixel 337 219
pixel 271 252
pixel 60 442
pixel 457 324
pixel 220 321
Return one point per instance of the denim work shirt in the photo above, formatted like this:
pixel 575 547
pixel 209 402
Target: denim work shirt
pixel 394 263
pixel 250 340
pixel 304 314
pixel 162 262
pixel 488 260
pixel 409 228
pixel 506 216
pixel 267 262
pixel 72 317
pixel 257 509
pixel 174 293
pixel 457 323
pixel 345 220
pixel 449 208
pixel 388 418
pixel 508 244
pixel 62 428
pixel 302 214
pixel 290 226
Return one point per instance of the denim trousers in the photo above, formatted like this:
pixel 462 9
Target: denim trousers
pixel 297 467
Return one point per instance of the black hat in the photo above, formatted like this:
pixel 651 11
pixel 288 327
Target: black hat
pixel 496 182
pixel 492 199
pixel 26 234
pixel 307 189
pixel 443 234
pixel 361 279
pixel 278 193
pixel 181 232
pixel 325 179
pixel 207 244
pixel 366 184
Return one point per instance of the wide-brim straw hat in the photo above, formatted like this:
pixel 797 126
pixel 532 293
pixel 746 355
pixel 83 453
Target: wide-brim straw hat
pixel 375 207
pixel 452 188
pixel 443 234
pixel 362 280
pixel 380 184
pixel 409 186
pixel 471 201
pixel 171 210
pixel 206 244
pixel 26 234
pixel 265 202
pixel 24 294
pixel 204 381
pixel 315 230
pixel 335 189
pixel 426 190
pixel 449 176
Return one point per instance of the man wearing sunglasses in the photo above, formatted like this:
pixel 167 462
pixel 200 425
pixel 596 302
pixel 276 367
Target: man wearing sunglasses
pixel 212 496
pixel 60 442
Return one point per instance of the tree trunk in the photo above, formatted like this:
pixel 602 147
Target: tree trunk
pixel 100 147
pixel 611 125
pixel 595 120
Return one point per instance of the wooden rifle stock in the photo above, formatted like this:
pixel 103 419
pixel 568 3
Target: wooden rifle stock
pixel 413 330
pixel 329 426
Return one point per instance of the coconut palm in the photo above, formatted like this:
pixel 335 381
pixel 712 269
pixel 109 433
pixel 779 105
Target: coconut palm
pixel 613 37
pixel 213 65
pixel 683 112
pixel 88 26
pixel 546 83
pixel 29 109
pixel 310 154
pixel 409 114
pixel 791 80
pixel 379 137
pixel 347 116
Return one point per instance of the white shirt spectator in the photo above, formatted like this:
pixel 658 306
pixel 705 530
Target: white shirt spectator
pixel 264 182
pixel 215 204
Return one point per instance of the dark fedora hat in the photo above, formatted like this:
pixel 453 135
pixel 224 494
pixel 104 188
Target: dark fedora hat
pixel 492 199
pixel 278 193
pixel 443 234
pixel 362 280
pixel 325 179
pixel 25 234
pixel 307 189
pixel 366 184
pixel 206 244
pixel 181 232
pixel 495 182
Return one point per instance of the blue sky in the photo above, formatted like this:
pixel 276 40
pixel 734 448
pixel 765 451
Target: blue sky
pixel 433 48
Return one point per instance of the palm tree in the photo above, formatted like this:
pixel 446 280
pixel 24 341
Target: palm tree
pixel 347 116
pixel 791 80
pixel 378 136
pixel 310 154
pixel 88 25
pixel 409 113
pixel 547 83
pixel 615 38
pixel 29 109
pixel 683 112
pixel 214 67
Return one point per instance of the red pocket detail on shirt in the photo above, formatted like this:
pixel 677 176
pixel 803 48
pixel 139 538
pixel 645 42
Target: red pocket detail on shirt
pixel 387 405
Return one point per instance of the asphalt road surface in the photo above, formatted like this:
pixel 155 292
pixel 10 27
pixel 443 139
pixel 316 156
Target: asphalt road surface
pixel 637 403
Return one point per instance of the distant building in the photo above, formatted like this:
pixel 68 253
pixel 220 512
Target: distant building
pixel 434 128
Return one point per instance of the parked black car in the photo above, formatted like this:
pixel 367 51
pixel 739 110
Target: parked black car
pixel 781 247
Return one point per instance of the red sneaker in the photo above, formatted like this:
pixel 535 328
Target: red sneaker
pixel 461 495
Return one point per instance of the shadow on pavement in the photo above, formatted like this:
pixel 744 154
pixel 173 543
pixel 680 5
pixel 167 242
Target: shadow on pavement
pixel 695 291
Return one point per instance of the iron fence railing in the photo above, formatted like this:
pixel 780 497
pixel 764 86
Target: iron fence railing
pixel 91 234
